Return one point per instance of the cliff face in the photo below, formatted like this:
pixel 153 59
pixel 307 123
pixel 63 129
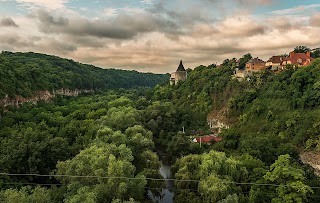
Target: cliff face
pixel 312 159
pixel 40 96
pixel 217 120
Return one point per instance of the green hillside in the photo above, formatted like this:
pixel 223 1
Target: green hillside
pixel 24 73
pixel 87 147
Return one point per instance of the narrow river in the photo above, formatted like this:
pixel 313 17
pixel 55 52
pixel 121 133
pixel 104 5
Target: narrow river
pixel 166 195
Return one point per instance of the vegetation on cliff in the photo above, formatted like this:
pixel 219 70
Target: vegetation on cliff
pixel 101 147
pixel 23 74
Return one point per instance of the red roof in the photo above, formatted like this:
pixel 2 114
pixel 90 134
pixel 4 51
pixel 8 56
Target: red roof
pixel 299 58
pixel 208 139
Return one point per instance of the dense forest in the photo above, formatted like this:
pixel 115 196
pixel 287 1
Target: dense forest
pixel 102 147
pixel 25 73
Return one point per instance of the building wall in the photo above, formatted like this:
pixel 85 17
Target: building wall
pixel 255 66
pixel 180 76
pixel 272 64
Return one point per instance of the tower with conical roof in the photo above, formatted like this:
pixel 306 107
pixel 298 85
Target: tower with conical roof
pixel 179 75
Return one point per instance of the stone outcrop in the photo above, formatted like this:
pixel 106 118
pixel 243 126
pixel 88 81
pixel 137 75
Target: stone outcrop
pixel 40 96
pixel 217 120
pixel 312 159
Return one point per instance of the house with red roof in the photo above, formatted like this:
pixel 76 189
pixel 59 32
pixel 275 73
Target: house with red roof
pixel 299 59
pixel 207 139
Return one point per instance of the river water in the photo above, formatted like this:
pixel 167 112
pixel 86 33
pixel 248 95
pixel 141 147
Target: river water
pixel 166 195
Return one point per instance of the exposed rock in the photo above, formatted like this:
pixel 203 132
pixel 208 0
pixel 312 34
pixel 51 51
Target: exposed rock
pixel 312 159
pixel 217 120
pixel 40 96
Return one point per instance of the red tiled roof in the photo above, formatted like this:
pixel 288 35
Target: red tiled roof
pixel 208 139
pixel 299 58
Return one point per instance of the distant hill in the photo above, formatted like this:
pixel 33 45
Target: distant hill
pixel 25 73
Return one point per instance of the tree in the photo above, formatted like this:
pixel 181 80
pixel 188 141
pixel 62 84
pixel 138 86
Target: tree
pixel 103 160
pixel 290 179
pixel 301 49
pixel 26 195
pixel 315 54
pixel 215 172
pixel 244 59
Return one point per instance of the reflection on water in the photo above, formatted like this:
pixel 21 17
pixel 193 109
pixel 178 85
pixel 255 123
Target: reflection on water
pixel 166 195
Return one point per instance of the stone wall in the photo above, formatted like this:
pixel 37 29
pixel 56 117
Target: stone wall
pixel 180 76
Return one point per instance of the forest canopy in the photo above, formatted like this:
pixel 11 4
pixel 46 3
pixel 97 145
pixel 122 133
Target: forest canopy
pixel 25 73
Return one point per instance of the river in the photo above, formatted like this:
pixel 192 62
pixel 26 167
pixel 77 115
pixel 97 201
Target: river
pixel 166 195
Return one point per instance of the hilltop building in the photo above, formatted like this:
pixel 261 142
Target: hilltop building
pixel 275 63
pixel 300 59
pixel 179 75
pixel 255 64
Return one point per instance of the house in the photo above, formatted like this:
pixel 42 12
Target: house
pixel 299 59
pixel 241 74
pixel 255 64
pixel 275 63
pixel 207 139
pixel 179 75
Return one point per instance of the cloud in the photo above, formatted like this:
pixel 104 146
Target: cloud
pixel 315 20
pixel 110 12
pixel 12 41
pixel 240 26
pixel 303 9
pixel 49 4
pixel 8 22
pixel 155 37
pixel 255 2
pixel 146 1
pixel 122 26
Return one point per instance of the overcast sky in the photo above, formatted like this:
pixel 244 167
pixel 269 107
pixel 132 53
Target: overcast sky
pixel 154 35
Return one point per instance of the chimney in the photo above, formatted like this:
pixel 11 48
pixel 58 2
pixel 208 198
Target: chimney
pixel 308 54
pixel 291 54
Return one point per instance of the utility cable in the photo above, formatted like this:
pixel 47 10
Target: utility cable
pixel 136 178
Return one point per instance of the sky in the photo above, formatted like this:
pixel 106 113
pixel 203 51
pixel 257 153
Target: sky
pixel 154 35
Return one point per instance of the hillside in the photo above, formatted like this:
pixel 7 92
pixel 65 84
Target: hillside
pixel 273 119
pixel 112 137
pixel 22 74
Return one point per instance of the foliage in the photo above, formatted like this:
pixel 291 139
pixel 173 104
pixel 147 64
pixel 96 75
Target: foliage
pixel 23 74
pixel 288 180
pixel 301 49
pixel 214 172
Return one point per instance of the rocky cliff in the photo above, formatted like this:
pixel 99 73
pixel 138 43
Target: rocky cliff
pixel 40 96
pixel 217 120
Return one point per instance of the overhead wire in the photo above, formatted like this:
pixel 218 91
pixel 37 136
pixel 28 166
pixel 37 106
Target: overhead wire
pixel 137 178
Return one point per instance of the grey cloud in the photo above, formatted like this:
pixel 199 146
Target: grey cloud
pixel 121 27
pixel 85 41
pixel 13 41
pixel 48 19
pixel 55 46
pixel 8 22
pixel 280 23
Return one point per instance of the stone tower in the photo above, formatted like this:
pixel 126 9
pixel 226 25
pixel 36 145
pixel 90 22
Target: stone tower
pixel 179 75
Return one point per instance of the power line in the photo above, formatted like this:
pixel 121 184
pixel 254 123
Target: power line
pixel 137 178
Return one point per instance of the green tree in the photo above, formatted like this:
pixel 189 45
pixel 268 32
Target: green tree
pixel 243 60
pixel 26 195
pixel 301 49
pixel 290 181
pixel 104 160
